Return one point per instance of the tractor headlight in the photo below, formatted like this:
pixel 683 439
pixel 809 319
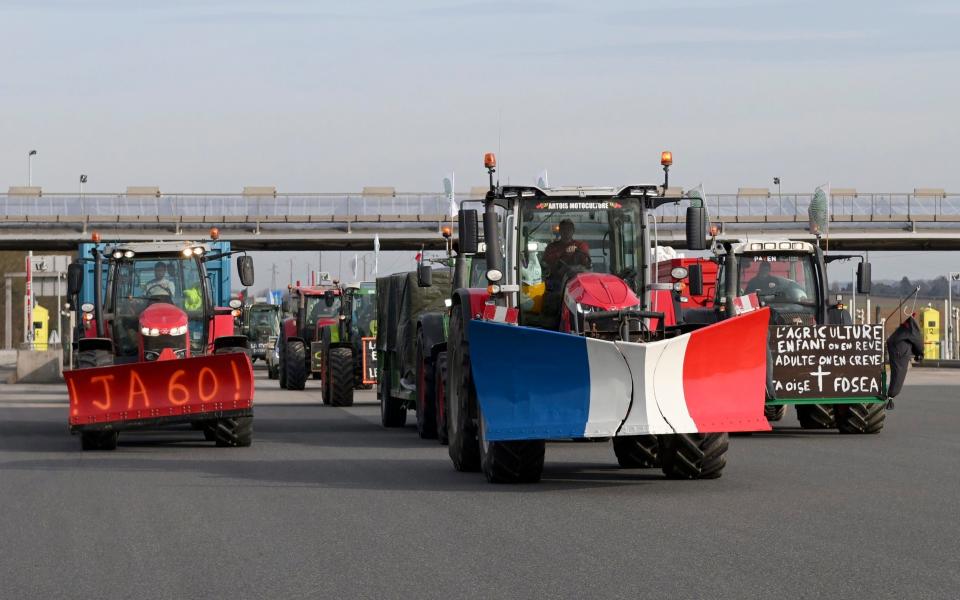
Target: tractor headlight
pixel 678 272
pixel 187 252
pixel 86 307
pixel 117 254
pixel 128 254
pixel 235 303
pixel 145 330
pixel 494 275
pixel 198 250
pixel 154 332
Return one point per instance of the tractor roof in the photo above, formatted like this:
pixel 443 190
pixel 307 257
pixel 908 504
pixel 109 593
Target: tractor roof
pixel 317 290
pixel 158 247
pixel 772 245
pixel 516 191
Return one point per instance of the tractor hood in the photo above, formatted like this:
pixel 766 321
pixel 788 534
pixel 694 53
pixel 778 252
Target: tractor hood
pixel 163 317
pixel 600 290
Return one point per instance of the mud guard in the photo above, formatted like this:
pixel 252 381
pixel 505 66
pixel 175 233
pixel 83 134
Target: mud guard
pixel 160 391
pixel 538 384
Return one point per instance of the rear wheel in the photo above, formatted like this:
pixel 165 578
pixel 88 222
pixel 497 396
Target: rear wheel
pixel 860 418
pixel 464 447
pixel 693 455
pixel 519 461
pixel 295 365
pixel 393 413
pixel 816 416
pixel 426 392
pixel 338 377
pixel 774 412
pixel 637 451
pixel 232 432
pixel 439 387
pixel 99 440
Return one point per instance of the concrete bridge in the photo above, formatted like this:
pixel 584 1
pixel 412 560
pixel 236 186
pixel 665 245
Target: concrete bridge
pixel 261 218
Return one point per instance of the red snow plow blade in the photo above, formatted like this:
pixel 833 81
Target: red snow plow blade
pixel 165 391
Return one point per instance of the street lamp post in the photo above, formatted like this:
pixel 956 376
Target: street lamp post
pixel 951 330
pixel 30 167
pixel 776 182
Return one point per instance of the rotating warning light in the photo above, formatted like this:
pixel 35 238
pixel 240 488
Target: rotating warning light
pixel 95 236
pixel 446 231
pixel 214 233
pixel 666 158
pixel 490 160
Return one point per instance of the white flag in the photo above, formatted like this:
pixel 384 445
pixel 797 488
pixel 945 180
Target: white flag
pixel 376 254
pixel 449 187
pixel 356 266
pixel 543 181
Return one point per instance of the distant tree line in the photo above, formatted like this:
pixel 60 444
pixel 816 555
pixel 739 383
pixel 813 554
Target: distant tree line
pixel 929 288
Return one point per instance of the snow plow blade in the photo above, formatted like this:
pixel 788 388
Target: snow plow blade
pixel 164 391
pixel 537 384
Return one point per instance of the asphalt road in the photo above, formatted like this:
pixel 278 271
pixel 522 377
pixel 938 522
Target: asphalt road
pixel 328 504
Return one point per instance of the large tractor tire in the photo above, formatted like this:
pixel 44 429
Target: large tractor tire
pixel 89 359
pixel 393 412
pixel 440 393
pixel 860 418
pixel 464 445
pixel 99 440
pixel 816 416
pixel 693 455
pixel 518 461
pixel 637 451
pixel 774 412
pixel 294 365
pixel 426 393
pixel 338 377
pixel 232 432
pixel 273 372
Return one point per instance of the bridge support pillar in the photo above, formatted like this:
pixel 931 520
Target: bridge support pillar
pixel 7 314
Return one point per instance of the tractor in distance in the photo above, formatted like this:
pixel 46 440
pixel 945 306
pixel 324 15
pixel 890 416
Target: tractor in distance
pixel 830 369
pixel 596 351
pixel 343 343
pixel 261 326
pixel 155 349
pixel 309 309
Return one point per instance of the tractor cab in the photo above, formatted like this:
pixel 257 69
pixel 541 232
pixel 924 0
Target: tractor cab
pixel 312 308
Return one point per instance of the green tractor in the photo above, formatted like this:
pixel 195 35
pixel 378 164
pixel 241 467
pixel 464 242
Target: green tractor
pixel 261 325
pixel 345 364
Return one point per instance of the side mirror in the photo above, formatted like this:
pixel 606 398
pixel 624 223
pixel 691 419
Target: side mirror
pixel 74 278
pixel 245 269
pixel 695 279
pixel 696 228
pixel 468 236
pixel 329 298
pixel 863 278
pixel 424 275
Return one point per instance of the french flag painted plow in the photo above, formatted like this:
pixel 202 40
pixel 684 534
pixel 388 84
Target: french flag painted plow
pixel 536 384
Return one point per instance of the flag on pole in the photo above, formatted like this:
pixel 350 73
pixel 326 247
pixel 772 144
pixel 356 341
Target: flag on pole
pixel 543 181
pixel 355 264
pixel 449 184
pixel 376 254
pixel 819 210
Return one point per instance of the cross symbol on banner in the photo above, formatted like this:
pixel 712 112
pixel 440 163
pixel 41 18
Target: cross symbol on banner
pixel 819 373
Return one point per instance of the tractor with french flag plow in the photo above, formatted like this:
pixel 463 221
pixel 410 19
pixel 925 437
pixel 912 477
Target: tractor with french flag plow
pixel 571 340
pixel 154 349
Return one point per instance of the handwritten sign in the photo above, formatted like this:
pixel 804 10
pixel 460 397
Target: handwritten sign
pixel 369 360
pixel 827 361
pixel 160 390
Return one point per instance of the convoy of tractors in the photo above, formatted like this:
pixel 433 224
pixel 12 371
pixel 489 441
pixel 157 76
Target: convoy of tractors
pixel 549 318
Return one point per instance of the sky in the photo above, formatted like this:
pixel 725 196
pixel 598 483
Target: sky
pixel 213 95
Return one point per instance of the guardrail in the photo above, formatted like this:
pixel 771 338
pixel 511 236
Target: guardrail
pixel 170 207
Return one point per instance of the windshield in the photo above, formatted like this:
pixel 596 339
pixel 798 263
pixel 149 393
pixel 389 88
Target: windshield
pixel 594 236
pixel 140 282
pixel 784 278
pixel 264 319
pixel 364 312
pixel 317 308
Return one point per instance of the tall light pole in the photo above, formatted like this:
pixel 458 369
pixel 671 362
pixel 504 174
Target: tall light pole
pixel 30 167
pixel 951 330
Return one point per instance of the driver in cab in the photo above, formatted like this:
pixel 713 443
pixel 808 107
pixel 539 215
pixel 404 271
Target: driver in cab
pixel 566 250
pixel 160 285
pixel 763 281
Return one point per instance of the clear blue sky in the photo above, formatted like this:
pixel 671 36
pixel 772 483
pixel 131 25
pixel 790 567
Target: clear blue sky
pixel 196 95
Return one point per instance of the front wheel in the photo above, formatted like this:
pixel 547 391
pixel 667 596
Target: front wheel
pixel 774 412
pixel 295 365
pixel 637 451
pixel 99 440
pixel 860 418
pixel 816 416
pixel 515 461
pixel 393 413
pixel 338 377
pixel 233 432
pixel 693 455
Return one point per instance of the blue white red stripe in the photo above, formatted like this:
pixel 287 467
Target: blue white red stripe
pixel 535 384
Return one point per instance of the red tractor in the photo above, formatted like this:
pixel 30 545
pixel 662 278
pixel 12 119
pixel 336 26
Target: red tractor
pixel 311 309
pixel 153 348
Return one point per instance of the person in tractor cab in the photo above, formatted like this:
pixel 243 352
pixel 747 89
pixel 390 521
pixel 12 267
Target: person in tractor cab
pixel 566 251
pixel 160 285
pixel 762 281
